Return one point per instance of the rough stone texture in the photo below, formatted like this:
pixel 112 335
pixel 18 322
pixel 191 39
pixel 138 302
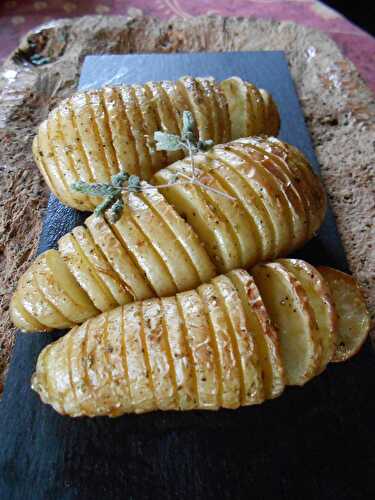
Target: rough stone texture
pixel 339 109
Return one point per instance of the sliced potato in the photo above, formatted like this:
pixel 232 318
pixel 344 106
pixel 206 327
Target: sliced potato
pixel 270 192
pixel 90 141
pixel 123 141
pixel 167 117
pixel 223 111
pixel 205 86
pixel 163 242
pixel 272 118
pixel 230 209
pixel 252 391
pixel 236 95
pixel 59 286
pixel 259 223
pixel 137 131
pixel 141 389
pixel 37 305
pixel 156 347
pixel 113 247
pixel 182 366
pixel 50 167
pixel 287 305
pixel 79 361
pixel 150 126
pixel 197 105
pixel 263 332
pixel 181 231
pixel 294 202
pixel 114 347
pixel 22 319
pixel 256 104
pixel 229 370
pixel 100 267
pixel 84 273
pixel 320 299
pixel 199 340
pixel 145 256
pixel 206 222
pixel 353 323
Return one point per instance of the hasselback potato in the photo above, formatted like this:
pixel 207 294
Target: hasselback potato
pixel 174 240
pixel 234 341
pixel 95 134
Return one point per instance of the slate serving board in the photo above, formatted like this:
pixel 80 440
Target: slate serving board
pixel 315 442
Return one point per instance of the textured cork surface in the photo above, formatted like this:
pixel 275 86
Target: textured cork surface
pixel 339 109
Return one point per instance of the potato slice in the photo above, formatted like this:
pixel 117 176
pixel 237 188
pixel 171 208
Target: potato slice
pixel 74 149
pixel 164 243
pixel 115 251
pixel 198 337
pixel 144 255
pixel 293 318
pixel 260 227
pixel 92 147
pixel 95 102
pixel 37 305
pixel 353 322
pixel 203 268
pixel 79 361
pixel 22 319
pixel 232 209
pixel 213 118
pixel 252 390
pixel 229 371
pixel 272 117
pixel 257 115
pixel 270 191
pixel 134 117
pixel 167 119
pixel 223 111
pixel 50 167
pixel 150 126
pixel 206 222
pixel 156 347
pixel 316 195
pixel 264 334
pixel 59 286
pixel 100 268
pixel 235 92
pixel 280 171
pixel 182 367
pixel 84 273
pixel 320 299
pixel 122 138
pixel 141 389
pixel 197 105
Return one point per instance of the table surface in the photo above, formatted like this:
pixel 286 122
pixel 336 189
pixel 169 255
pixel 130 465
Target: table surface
pixel 315 442
pixel 19 16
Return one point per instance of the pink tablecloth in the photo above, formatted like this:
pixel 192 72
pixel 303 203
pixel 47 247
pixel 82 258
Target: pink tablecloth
pixel 18 16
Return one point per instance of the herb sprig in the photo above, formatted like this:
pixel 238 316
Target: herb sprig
pixel 122 183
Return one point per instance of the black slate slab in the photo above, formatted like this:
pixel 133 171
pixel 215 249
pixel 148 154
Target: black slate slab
pixel 316 442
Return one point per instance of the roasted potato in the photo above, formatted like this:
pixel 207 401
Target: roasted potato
pixel 95 134
pixel 234 341
pixel 173 240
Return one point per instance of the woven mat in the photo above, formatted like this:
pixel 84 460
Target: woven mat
pixel 339 109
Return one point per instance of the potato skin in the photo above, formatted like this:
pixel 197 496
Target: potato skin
pixel 173 239
pixel 92 135
pixel 222 345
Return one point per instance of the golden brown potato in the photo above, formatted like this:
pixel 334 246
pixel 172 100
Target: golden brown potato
pixel 95 134
pixel 173 240
pixel 353 319
pixel 227 344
